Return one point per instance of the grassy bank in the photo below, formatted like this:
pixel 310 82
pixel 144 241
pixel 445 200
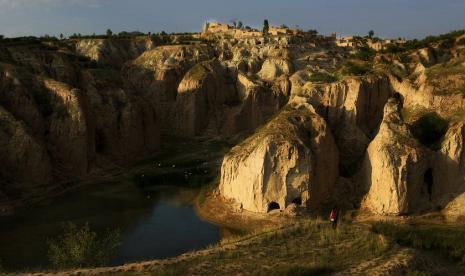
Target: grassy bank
pixel 446 240
pixel 311 247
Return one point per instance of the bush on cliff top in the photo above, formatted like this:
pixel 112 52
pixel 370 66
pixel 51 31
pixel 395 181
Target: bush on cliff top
pixel 352 68
pixel 322 77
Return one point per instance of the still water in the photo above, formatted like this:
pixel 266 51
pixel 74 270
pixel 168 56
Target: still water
pixel 155 222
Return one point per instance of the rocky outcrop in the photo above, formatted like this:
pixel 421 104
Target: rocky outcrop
pixel 114 52
pixel 126 125
pixel 395 168
pixel 292 159
pixel 59 118
pixel 352 107
pixel 25 163
pixel 273 68
pixel 157 73
pixel 202 99
pixel 257 102
pixel 448 187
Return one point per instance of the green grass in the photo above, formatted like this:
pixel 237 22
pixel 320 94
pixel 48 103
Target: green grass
pixel 413 113
pixel 323 77
pixel 447 78
pixel 458 116
pixel 449 241
pixel 303 248
pixel 352 68
pixel 365 54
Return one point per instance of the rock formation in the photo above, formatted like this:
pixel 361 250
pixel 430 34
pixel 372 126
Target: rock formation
pixel 448 188
pixel 292 159
pixel 68 107
pixel 353 108
pixel 395 167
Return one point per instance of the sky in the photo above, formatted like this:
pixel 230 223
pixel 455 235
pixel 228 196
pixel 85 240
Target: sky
pixel 388 18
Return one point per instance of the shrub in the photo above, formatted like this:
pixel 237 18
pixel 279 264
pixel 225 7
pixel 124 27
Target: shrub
pixel 323 77
pixel 266 27
pixel 81 247
pixel 365 53
pixel 356 69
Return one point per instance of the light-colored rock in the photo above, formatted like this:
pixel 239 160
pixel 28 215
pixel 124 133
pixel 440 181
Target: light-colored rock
pixel 273 68
pixel 449 172
pixel 352 107
pixel 113 52
pixel 394 168
pixel 292 158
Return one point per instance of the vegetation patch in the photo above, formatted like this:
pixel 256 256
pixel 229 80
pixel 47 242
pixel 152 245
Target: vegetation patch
pixel 448 78
pixel 304 247
pixel 82 247
pixel 412 113
pixel 356 68
pixel 414 44
pixel 364 53
pixel 450 241
pixel 323 77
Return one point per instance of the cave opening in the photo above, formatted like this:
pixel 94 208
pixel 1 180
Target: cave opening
pixel 297 201
pixel 100 141
pixel 428 180
pixel 273 206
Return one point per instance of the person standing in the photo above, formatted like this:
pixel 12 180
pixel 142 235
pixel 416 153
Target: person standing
pixel 333 216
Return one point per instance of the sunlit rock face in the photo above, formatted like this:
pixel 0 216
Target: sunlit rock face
pixel 293 158
pixel 395 166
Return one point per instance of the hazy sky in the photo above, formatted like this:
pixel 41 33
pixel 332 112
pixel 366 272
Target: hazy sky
pixel 388 18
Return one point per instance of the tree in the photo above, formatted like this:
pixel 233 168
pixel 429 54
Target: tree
pixel 235 22
pixel 266 26
pixel 61 36
pixel 109 33
pixel 1 37
pixel 312 32
pixel 240 25
pixel 371 33
pixel 79 246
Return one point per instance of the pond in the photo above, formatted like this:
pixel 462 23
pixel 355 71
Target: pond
pixel 155 222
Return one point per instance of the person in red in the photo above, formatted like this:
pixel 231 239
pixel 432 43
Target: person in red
pixel 333 216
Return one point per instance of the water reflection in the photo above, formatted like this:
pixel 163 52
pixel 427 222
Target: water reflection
pixel 156 222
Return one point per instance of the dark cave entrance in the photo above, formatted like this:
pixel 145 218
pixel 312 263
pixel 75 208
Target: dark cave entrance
pixel 297 201
pixel 100 141
pixel 273 206
pixel 428 180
